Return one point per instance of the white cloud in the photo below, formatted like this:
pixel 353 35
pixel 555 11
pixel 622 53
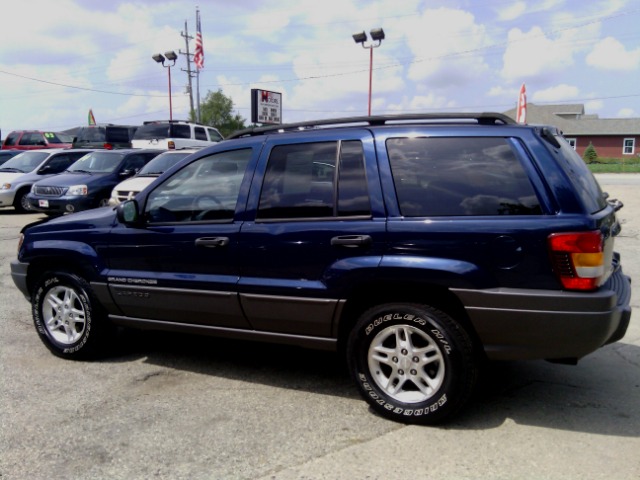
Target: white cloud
pixel 610 54
pixel 512 11
pixel 446 46
pixel 532 54
pixel 557 93
pixel 627 113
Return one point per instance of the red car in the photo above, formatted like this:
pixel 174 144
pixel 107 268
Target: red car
pixel 32 139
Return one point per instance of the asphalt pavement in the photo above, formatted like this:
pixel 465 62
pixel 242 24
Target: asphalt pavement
pixel 178 407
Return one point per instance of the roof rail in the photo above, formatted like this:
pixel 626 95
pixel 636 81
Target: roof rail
pixel 485 118
pixel 146 122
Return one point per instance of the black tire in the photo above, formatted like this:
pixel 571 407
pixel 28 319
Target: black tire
pixel 412 363
pixel 20 202
pixel 68 318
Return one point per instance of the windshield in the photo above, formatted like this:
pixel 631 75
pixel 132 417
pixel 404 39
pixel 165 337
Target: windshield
pixel 98 162
pixel 162 162
pixel 25 162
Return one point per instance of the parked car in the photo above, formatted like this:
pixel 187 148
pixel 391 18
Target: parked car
pixel 88 182
pixel 35 139
pixel 175 134
pixel 417 245
pixel 7 155
pixel 104 136
pixel 130 187
pixel 22 171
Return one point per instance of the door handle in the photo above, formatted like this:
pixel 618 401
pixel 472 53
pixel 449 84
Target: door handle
pixel 212 242
pixel 351 241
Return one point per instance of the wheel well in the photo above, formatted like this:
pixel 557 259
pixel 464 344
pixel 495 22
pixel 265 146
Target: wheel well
pixel 368 296
pixel 36 269
pixel 19 193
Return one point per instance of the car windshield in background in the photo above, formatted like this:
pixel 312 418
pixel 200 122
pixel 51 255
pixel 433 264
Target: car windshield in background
pixel 162 162
pixel 58 137
pixel 97 162
pixel 162 130
pixel 24 162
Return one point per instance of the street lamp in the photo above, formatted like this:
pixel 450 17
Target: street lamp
pixel 377 35
pixel 172 57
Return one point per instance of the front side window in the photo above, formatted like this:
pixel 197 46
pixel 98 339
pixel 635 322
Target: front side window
pixel 629 146
pixel 304 181
pixel 204 190
pixel 459 176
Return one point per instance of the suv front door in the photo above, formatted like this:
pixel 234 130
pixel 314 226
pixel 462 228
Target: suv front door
pixel 181 264
pixel 317 228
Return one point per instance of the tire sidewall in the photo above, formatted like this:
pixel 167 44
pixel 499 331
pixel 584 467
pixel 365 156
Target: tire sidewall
pixel 48 282
pixel 455 351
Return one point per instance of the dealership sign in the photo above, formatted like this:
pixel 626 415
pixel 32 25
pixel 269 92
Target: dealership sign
pixel 266 107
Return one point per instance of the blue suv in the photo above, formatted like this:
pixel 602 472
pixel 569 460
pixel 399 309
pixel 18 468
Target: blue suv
pixel 417 245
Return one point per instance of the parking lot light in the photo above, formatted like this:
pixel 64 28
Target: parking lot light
pixel 377 35
pixel 172 57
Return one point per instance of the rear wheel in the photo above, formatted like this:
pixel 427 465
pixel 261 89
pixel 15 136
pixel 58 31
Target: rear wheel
pixel 412 363
pixel 67 316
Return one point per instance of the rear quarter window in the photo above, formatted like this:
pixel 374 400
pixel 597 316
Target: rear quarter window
pixel 584 183
pixel 460 176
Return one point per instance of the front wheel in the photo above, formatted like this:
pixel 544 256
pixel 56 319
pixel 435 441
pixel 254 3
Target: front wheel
pixel 412 363
pixel 67 316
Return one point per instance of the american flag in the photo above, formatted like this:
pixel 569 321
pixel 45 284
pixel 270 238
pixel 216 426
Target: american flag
pixel 198 56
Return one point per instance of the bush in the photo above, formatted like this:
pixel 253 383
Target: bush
pixel 590 155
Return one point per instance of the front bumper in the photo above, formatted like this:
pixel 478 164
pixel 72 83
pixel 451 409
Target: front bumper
pixel 19 276
pixel 519 324
pixel 60 205
pixel 7 197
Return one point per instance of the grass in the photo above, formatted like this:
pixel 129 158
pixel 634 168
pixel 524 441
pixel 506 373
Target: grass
pixel 615 165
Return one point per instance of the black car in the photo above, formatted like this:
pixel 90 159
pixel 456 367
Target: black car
pixel 415 245
pixel 88 182
pixel 104 136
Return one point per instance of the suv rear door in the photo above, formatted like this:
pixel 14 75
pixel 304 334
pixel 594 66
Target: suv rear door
pixel 313 226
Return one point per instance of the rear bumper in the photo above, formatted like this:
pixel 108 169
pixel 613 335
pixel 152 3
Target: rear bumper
pixel 518 324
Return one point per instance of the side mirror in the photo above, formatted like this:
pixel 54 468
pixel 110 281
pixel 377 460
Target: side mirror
pixel 127 212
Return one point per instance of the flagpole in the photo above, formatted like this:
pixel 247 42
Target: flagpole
pixel 199 57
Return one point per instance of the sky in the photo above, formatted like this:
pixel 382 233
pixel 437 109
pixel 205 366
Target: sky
pixel 60 59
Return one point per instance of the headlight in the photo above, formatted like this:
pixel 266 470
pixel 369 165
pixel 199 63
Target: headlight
pixel 78 190
pixel 6 186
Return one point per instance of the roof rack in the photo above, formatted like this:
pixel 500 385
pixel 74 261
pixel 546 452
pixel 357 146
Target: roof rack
pixel 485 118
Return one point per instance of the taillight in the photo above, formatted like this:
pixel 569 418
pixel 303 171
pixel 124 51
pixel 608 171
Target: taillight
pixel 578 259
pixel 171 145
pixel 108 146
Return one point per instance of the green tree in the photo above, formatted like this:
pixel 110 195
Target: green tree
pixel 216 110
pixel 590 155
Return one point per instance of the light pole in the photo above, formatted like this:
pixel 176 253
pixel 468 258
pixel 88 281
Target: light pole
pixel 172 57
pixel 377 35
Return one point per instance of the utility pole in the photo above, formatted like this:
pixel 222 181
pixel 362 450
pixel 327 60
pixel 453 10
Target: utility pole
pixel 190 72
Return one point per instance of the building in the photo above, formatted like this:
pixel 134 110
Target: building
pixel 611 137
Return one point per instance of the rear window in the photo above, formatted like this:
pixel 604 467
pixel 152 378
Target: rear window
pixel 90 134
pixel 118 134
pixel 460 176
pixel 151 131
